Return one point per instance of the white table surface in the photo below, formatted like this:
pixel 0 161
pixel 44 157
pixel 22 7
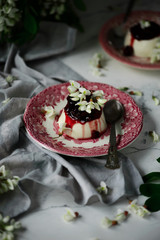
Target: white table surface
pixel 47 222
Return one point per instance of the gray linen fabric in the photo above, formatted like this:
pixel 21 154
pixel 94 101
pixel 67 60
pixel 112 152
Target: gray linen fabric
pixel 40 169
pixel 53 38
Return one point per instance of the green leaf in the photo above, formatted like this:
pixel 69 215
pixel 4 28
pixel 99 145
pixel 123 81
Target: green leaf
pixel 153 203
pixel 158 159
pixel 153 176
pixel 150 189
pixel 80 5
pixel 30 23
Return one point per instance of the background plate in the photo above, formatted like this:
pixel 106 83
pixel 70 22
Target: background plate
pixel 113 45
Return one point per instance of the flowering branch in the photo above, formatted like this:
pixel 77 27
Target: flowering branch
pixel 20 19
pixel 6 182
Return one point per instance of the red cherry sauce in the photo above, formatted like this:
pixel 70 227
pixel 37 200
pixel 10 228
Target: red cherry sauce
pixel 73 116
pixel 139 33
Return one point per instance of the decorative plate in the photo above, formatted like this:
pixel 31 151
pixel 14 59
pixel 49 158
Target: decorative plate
pixel 113 45
pixel 42 131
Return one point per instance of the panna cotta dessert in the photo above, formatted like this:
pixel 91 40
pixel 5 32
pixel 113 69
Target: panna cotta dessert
pixel 82 117
pixel 142 39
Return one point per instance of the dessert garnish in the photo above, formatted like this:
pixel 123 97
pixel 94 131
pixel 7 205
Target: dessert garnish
pixel 86 99
pixel 82 116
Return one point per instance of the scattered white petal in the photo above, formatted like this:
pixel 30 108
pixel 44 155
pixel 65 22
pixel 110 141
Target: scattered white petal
pixel 106 222
pixel 5 101
pixel 102 188
pixel 155 136
pixel 49 111
pixel 155 56
pixel 70 215
pixel 97 63
pixel 156 100
pixel 121 216
pixel 137 209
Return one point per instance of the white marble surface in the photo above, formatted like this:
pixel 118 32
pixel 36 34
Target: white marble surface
pixel 47 223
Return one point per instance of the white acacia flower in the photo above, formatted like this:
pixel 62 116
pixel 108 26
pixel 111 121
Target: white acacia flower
pixel 82 105
pixel 121 216
pixel 137 93
pixel 74 95
pixel 98 93
pixel 90 106
pixel 155 56
pixel 96 72
pixel 70 215
pixel 62 128
pixel 49 111
pixel 137 209
pixel 144 24
pixel 8 227
pixel 155 136
pixel 5 101
pixel 74 86
pixel 106 222
pixel 95 61
pixel 84 91
pixel 9 15
pixel 96 105
pixel 156 100
pixel 10 78
pixel 6 182
pixel 3 172
pixel 102 188
pixel 101 101
pixel 79 94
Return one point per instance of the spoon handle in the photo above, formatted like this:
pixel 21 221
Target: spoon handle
pixel 112 158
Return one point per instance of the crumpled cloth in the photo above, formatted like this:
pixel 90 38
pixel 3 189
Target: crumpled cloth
pixel 40 169
pixel 53 38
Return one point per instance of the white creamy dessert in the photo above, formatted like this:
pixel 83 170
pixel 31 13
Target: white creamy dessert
pixel 82 117
pixel 141 39
pixel 85 130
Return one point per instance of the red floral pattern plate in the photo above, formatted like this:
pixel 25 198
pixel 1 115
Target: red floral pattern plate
pixel 113 45
pixel 42 131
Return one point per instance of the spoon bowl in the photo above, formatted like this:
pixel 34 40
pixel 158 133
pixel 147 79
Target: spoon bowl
pixel 113 111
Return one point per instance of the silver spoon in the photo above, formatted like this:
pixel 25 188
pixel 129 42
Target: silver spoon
pixel 113 111
pixel 120 29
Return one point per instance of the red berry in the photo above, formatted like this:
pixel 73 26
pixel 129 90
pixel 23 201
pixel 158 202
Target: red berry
pixel 114 222
pixel 77 214
pixel 125 213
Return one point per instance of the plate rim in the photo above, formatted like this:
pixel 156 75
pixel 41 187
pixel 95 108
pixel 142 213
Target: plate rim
pixel 44 145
